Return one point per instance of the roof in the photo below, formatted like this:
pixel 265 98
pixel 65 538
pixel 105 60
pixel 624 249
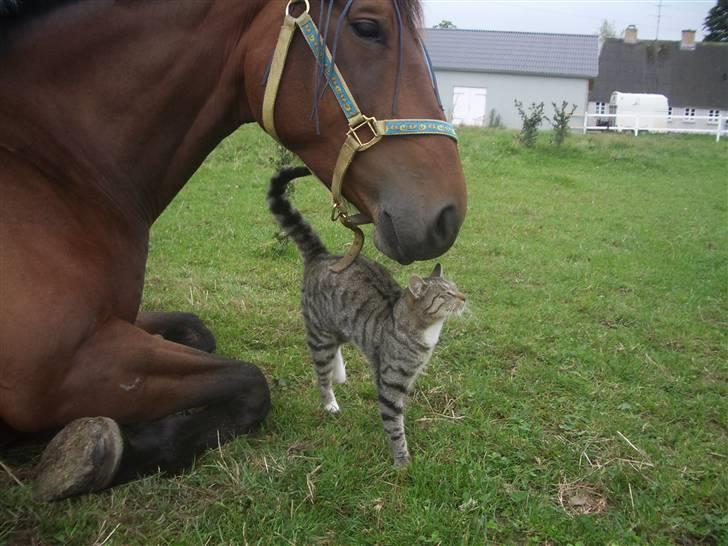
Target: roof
pixel 566 55
pixel 697 78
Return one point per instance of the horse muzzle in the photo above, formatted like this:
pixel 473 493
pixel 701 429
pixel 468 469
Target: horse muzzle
pixel 406 234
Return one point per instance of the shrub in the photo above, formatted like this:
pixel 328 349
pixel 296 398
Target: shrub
pixel 494 120
pixel 532 120
pixel 560 122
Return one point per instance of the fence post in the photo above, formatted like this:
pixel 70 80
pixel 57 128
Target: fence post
pixel 636 126
pixel 586 120
pixel 720 127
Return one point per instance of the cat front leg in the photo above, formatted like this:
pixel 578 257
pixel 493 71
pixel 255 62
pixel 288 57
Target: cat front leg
pixel 391 409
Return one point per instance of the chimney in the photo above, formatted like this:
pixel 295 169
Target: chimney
pixel 688 40
pixel 630 35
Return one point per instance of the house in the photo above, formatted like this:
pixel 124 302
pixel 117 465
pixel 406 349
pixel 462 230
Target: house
pixel 693 76
pixel 481 72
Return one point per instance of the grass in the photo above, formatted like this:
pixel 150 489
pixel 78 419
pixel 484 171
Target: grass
pixel 582 400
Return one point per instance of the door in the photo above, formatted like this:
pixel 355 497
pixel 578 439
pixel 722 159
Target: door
pixel 468 106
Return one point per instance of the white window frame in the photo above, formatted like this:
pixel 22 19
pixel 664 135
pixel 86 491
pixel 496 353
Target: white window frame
pixel 713 116
pixel 689 115
pixel 600 108
pixel 669 113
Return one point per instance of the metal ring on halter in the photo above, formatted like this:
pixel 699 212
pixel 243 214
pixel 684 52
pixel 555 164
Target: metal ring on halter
pixel 294 2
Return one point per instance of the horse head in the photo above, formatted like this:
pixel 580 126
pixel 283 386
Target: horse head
pixel 411 187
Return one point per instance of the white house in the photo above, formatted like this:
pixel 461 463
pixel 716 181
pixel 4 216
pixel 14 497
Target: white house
pixel 692 75
pixel 480 72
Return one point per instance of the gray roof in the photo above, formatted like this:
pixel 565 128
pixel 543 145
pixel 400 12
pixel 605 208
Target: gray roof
pixel 697 78
pixel 566 55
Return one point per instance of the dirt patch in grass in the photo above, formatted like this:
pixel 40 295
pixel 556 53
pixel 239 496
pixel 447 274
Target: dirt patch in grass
pixel 579 498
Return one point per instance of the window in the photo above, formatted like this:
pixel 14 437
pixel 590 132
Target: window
pixel 600 108
pixel 713 116
pixel 669 113
pixel 689 116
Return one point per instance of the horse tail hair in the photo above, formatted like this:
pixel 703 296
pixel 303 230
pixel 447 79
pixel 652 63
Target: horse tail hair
pixel 294 225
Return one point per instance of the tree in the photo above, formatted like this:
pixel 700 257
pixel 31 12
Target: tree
pixel 606 30
pixel 445 24
pixel 716 23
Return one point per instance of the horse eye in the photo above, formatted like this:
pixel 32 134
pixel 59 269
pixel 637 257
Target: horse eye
pixel 366 29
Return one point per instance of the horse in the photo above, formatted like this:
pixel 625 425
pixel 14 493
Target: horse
pixel 107 108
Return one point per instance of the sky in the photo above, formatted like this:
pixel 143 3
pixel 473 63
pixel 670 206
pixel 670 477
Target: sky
pixel 573 16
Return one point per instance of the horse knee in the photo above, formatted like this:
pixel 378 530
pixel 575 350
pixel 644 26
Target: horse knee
pixel 252 400
pixel 188 329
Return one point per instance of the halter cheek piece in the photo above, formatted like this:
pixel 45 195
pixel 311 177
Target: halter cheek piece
pixel 364 131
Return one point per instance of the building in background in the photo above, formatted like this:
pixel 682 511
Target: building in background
pixel 480 72
pixel 692 75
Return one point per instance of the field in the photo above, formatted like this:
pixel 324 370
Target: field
pixel 582 399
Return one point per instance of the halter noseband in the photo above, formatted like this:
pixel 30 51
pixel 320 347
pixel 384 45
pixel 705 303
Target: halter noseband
pixel 364 131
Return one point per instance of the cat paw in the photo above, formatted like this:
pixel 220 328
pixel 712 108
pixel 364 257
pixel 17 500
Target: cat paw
pixel 332 407
pixel 402 461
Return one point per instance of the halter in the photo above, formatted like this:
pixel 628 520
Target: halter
pixel 364 131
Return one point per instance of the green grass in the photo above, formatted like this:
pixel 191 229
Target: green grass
pixel 589 374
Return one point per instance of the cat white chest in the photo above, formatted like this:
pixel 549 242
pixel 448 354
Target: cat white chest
pixel 432 334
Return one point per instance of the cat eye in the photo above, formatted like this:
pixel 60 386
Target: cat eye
pixel 367 29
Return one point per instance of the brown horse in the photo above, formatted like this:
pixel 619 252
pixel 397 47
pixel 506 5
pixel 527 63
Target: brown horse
pixel 107 107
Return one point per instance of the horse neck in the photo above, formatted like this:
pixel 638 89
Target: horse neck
pixel 127 97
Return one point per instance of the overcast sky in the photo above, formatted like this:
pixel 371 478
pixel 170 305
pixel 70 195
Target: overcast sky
pixel 572 16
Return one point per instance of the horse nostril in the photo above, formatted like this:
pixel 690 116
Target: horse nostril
pixel 446 227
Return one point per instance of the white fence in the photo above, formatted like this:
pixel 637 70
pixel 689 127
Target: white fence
pixel 609 122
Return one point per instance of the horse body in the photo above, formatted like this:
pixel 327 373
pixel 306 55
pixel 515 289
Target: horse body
pixel 106 109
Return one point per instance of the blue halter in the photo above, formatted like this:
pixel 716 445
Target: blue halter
pixel 364 131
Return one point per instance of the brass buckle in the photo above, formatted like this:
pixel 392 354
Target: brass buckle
pixel 371 124
pixel 338 211
pixel 294 2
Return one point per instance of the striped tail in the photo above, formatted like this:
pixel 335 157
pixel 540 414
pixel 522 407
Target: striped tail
pixel 293 224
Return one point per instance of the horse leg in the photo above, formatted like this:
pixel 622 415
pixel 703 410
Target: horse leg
pixel 183 328
pixel 7 436
pixel 129 377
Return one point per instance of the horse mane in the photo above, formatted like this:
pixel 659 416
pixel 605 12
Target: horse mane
pixel 412 11
pixel 17 9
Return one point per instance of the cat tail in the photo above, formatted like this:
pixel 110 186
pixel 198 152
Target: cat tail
pixel 293 224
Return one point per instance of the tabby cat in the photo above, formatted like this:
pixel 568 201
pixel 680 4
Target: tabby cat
pixel 396 329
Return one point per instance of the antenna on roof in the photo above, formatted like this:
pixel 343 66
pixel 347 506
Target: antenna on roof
pixel 659 17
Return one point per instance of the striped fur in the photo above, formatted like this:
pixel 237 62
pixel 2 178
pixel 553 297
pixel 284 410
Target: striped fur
pixel 396 329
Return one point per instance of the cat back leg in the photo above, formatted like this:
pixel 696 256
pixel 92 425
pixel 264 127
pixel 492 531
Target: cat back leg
pixel 339 375
pixel 328 363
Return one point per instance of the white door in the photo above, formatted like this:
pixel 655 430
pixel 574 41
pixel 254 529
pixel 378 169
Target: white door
pixel 468 106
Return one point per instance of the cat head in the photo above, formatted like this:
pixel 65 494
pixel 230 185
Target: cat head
pixel 435 297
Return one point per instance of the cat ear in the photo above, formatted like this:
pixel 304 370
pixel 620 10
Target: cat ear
pixel 437 271
pixel 416 286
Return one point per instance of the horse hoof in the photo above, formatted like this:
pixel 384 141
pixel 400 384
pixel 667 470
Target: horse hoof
pixel 81 458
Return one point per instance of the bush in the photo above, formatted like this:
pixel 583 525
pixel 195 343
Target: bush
pixel 494 120
pixel 560 122
pixel 532 120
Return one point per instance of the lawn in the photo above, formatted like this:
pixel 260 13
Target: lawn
pixel 582 399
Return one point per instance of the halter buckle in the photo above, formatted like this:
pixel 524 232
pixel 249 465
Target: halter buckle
pixel 337 212
pixel 370 122
pixel 292 3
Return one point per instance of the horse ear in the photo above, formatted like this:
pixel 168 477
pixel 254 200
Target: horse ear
pixel 416 286
pixel 436 271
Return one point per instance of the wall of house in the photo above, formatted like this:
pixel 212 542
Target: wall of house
pixel 502 89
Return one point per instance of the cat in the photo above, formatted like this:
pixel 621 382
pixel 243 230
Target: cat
pixel 396 329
